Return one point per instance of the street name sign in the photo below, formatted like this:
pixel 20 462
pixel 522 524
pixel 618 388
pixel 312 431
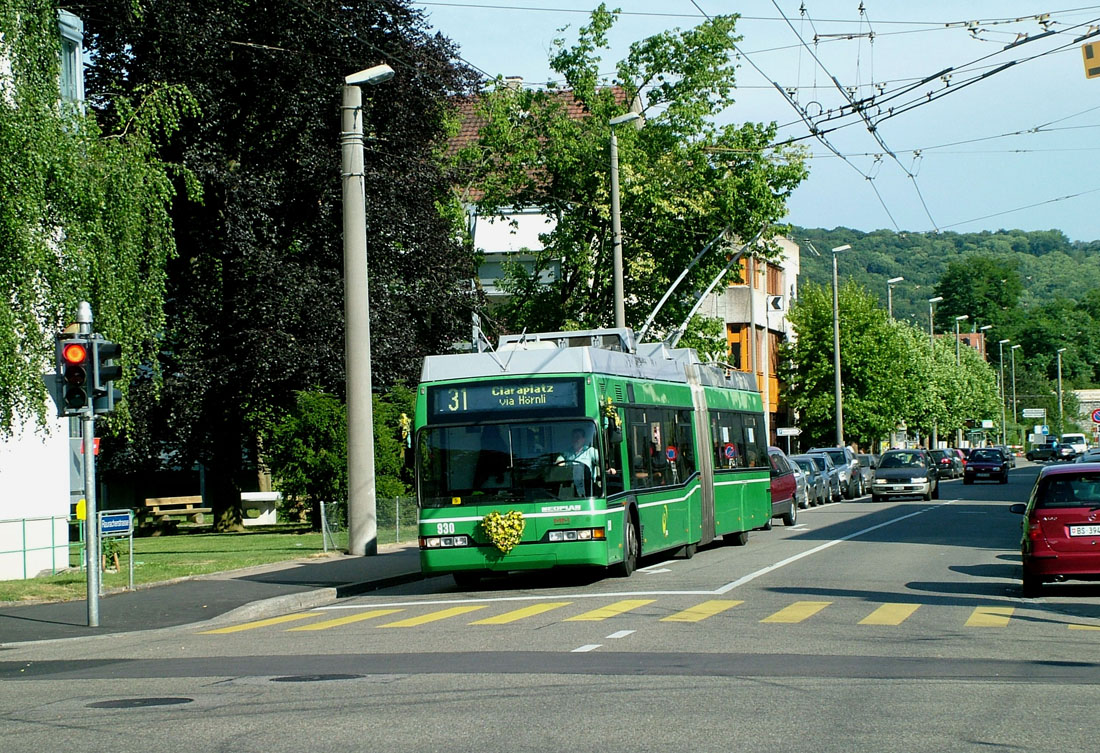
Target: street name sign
pixel 787 431
pixel 1035 413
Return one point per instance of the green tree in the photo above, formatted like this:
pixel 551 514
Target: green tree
pixel 255 307
pixel 981 287
pixel 683 178
pixel 84 213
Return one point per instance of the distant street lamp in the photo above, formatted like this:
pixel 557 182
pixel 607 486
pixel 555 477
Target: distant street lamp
pixel 1061 426
pixel 616 224
pixel 1015 415
pixel 836 351
pixel 931 320
pixel 983 328
pixel 958 319
pixel 890 295
pixel 362 503
pixel 1001 359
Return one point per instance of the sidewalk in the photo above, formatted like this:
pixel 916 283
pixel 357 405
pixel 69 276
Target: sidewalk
pixel 250 594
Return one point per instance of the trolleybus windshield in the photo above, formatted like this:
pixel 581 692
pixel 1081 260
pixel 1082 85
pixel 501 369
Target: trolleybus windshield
pixel 508 462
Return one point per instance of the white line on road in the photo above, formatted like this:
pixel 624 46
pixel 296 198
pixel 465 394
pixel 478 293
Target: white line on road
pixel 647 571
pixel 619 634
pixel 586 648
pixel 783 563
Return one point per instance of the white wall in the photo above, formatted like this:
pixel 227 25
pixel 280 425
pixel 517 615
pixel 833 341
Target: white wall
pixel 34 485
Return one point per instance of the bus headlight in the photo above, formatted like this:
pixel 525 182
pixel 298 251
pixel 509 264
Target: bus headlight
pixel 443 542
pixel 577 534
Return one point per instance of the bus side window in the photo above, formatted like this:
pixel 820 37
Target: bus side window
pixel 613 441
pixel 638 452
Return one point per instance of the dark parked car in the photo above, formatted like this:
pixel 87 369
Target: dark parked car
pixel 1051 451
pixel 947 463
pixel 851 480
pixel 1010 456
pixel 905 473
pixel 784 488
pixel 1061 533
pixel 986 464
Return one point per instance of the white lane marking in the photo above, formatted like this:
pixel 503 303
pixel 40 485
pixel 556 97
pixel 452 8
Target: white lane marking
pixel 783 563
pixel 652 567
pixel 647 571
pixel 799 527
pixel 585 648
pixel 619 634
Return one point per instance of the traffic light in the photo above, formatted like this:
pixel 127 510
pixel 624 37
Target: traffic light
pixel 104 371
pixel 74 370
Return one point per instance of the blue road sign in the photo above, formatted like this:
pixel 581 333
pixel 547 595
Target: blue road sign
pixel 116 524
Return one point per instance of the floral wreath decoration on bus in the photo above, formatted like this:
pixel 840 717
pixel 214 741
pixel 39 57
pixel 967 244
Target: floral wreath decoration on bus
pixel 504 531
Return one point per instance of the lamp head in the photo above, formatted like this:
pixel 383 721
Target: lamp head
pixel 1017 345
pixel 937 299
pixel 1002 342
pixel 894 280
pixel 374 75
pixel 624 118
pixel 845 247
pixel 962 317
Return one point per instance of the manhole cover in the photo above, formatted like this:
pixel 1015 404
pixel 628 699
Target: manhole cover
pixel 315 678
pixel 137 703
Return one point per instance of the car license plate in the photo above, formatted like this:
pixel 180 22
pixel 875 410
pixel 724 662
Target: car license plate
pixel 1084 530
pixel 982 475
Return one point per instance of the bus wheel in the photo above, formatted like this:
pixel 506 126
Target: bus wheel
pixel 467 578
pixel 737 539
pixel 630 555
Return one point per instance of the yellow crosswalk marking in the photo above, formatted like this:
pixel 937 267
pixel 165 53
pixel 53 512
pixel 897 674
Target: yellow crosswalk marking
pixel 701 611
pixel 423 619
pixel 890 614
pixel 1084 627
pixel 611 610
pixel 990 616
pixel 326 624
pixel 519 614
pixel 259 623
pixel 797 612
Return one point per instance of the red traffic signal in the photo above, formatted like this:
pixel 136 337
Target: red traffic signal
pixel 74 353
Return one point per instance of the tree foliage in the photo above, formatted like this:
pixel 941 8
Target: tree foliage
pixel 84 213
pixel 255 308
pixel 890 373
pixel 683 179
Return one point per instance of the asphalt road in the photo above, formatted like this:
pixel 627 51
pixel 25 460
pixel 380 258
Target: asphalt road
pixel 866 627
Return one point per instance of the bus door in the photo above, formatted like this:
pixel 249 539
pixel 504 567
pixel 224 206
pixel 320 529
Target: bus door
pixel 703 457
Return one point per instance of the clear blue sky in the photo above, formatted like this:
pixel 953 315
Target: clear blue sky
pixel 955 167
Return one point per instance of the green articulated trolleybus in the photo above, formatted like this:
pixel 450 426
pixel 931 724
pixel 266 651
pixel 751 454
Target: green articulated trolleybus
pixel 583 449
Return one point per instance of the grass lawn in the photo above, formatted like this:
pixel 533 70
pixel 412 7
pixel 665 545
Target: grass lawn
pixel 187 552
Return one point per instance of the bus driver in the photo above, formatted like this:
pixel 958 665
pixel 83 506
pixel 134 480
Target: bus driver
pixel 581 455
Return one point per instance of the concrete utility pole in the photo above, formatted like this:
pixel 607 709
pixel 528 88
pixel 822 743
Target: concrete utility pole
pixel 362 502
pixel 616 222
pixel 836 351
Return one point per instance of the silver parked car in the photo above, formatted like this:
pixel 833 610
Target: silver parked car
pixel 867 463
pixel 818 487
pixel 851 480
pixel 816 482
pixel 825 463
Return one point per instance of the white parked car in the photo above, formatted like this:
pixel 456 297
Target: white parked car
pixel 1077 441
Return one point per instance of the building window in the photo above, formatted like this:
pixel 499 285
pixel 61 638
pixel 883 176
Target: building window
pixel 72 57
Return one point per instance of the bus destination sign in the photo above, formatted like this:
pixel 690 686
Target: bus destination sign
pixel 504 397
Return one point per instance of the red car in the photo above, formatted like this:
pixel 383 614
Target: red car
pixel 1061 529
pixel 986 464
pixel 783 488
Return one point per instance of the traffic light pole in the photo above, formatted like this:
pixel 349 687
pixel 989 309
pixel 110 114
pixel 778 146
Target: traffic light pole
pixel 91 521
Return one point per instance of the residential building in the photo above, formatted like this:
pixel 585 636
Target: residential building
pixel 39 466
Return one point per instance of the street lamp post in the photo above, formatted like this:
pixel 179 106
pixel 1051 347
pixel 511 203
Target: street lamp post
pixel 362 510
pixel 1061 426
pixel 1001 360
pixel 958 319
pixel 931 320
pixel 836 351
pixel 1012 352
pixel 616 224
pixel 890 295
pixel 984 328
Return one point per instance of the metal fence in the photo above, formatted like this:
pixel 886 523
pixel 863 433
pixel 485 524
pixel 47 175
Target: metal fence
pixel 396 518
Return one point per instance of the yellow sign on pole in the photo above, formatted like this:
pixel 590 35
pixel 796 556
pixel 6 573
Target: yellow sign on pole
pixel 82 510
pixel 1091 54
